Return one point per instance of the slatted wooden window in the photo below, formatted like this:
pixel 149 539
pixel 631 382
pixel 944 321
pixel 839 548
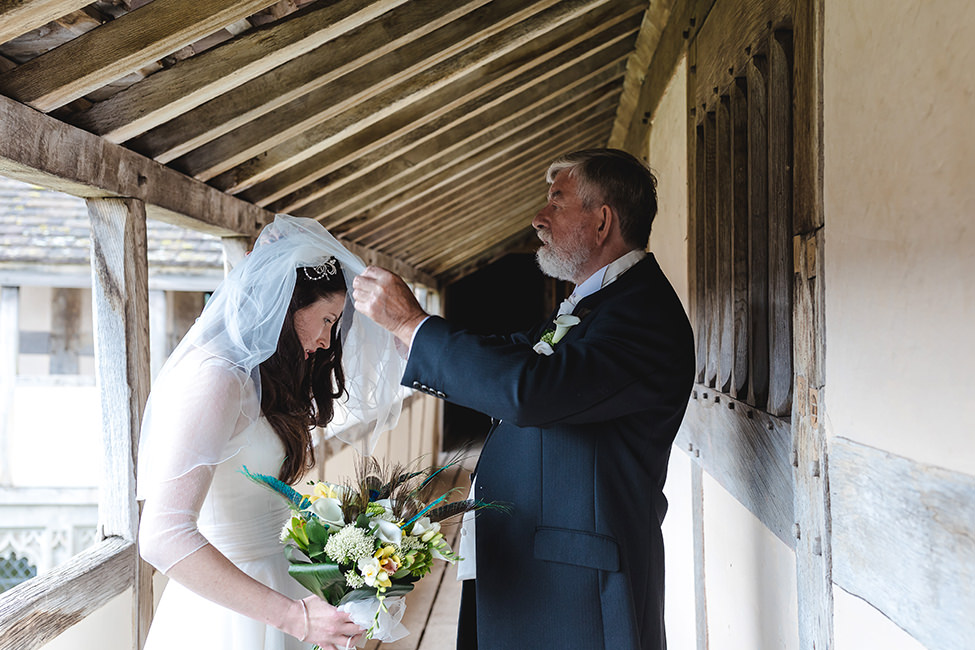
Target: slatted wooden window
pixel 743 195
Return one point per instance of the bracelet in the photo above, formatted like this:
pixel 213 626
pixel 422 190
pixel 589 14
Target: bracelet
pixel 304 609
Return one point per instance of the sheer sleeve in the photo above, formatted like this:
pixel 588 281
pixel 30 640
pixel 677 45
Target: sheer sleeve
pixel 197 412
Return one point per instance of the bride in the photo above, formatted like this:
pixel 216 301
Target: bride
pixel 275 353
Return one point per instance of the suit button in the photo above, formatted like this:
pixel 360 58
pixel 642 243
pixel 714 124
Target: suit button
pixel 416 384
pixel 441 394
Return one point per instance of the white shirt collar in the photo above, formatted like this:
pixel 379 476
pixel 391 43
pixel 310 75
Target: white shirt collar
pixel 607 275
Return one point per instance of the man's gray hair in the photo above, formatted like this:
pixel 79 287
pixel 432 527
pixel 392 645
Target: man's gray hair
pixel 615 178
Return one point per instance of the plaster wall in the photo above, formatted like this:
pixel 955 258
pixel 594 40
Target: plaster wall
pixel 899 206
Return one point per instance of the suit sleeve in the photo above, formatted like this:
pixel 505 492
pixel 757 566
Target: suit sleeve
pixel 624 362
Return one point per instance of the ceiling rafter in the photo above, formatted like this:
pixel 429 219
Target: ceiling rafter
pixel 195 80
pixel 119 47
pixel 18 18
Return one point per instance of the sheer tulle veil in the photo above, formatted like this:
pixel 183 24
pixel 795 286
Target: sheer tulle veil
pixel 239 328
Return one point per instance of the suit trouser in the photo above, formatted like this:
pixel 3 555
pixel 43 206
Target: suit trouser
pixel 467 619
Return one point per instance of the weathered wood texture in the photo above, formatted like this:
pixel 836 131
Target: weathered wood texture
pixel 700 571
pixel 747 451
pixel 171 92
pixel 686 18
pixel 120 308
pixel 119 47
pixel 39 149
pixel 21 16
pixel 903 539
pixel 36 611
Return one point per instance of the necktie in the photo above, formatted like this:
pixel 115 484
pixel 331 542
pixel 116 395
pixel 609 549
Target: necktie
pixel 568 305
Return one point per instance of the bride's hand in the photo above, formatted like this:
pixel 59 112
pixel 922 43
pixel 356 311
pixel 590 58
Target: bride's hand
pixel 326 625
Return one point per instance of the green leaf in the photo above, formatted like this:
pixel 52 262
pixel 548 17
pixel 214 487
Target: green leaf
pixel 317 532
pixel 324 580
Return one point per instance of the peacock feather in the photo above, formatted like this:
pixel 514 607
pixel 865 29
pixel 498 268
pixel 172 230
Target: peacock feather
pixel 298 500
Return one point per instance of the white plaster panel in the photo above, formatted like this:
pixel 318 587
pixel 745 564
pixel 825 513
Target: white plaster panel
pixel 750 578
pixel 679 612
pixel 859 626
pixel 668 160
pixel 899 207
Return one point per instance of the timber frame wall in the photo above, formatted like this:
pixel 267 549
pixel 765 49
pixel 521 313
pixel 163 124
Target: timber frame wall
pixel 839 505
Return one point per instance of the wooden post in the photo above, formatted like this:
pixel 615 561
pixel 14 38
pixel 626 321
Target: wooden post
pixel 120 308
pixel 9 347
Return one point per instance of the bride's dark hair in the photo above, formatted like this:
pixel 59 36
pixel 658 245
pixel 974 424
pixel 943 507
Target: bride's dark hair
pixel 298 394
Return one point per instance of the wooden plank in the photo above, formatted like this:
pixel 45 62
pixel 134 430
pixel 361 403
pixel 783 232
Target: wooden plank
pixel 119 47
pixel 710 247
pixel 23 16
pixel 686 18
pixel 546 34
pixel 304 183
pixel 747 451
pixel 38 149
pixel 296 77
pixel 192 81
pixel 120 308
pixel 780 223
pixel 758 264
pixel 808 92
pixel 489 149
pixel 554 142
pixel 739 247
pixel 655 20
pixel 37 610
pixel 699 267
pixel 903 539
pixel 732 33
pixel 724 187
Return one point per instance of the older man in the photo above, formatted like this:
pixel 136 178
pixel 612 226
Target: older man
pixel 587 420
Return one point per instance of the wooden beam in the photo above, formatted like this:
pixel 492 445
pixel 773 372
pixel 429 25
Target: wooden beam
pixel 296 77
pixel 119 47
pixel 539 34
pixel 38 149
pixel 22 16
pixel 408 272
pixel 37 610
pixel 495 144
pixel 903 540
pixel 747 451
pixel 192 81
pixel 686 18
pixel 543 147
pixel 411 128
pixel 654 22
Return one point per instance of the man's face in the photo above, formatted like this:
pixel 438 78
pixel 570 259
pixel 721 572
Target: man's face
pixel 567 231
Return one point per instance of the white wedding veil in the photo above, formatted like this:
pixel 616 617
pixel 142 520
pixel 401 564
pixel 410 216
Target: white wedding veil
pixel 238 329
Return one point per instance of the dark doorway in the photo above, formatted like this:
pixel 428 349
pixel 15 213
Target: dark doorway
pixel 507 296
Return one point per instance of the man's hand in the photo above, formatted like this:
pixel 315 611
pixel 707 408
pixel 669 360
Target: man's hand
pixel 386 299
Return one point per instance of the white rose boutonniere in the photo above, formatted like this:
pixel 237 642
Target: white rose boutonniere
pixel 563 324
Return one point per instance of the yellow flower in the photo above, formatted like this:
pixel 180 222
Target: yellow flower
pixel 388 560
pixel 323 489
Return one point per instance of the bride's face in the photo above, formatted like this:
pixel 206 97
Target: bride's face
pixel 313 324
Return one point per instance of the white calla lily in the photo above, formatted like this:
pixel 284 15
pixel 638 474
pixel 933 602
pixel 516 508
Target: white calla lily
pixel 562 325
pixel 388 531
pixel 329 510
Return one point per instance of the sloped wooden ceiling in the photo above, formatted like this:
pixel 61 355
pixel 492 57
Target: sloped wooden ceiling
pixel 419 129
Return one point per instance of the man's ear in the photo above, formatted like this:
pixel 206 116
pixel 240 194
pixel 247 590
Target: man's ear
pixel 605 224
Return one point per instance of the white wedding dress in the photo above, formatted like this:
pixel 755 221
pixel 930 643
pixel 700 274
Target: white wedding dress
pixel 243 521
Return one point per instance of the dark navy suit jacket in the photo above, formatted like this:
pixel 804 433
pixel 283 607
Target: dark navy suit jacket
pixel 580 455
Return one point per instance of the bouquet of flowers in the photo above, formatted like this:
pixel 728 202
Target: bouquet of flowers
pixel 359 543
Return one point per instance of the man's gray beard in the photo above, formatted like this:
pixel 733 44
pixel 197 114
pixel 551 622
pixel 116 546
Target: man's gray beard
pixel 561 265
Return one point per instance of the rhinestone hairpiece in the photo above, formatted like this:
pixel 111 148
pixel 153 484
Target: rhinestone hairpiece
pixel 328 268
